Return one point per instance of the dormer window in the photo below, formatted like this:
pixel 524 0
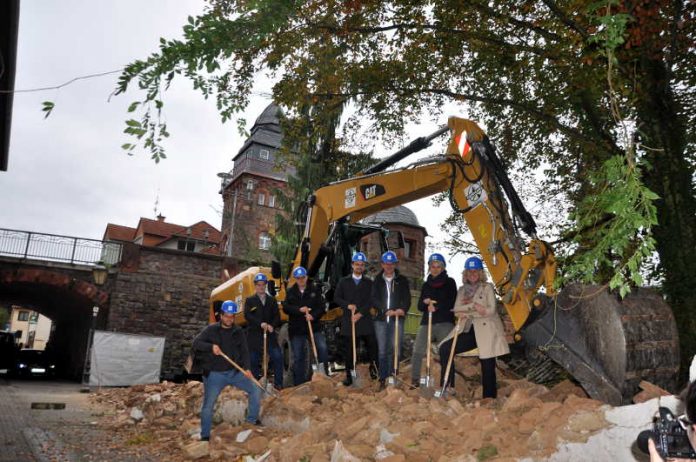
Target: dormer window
pixel 264 154
pixel 250 185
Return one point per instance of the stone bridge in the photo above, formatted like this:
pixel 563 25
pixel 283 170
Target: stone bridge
pixel 148 290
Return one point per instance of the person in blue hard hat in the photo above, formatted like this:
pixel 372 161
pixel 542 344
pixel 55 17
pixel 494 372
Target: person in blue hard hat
pixel 352 294
pixel 480 326
pixel 391 299
pixel 304 302
pixel 437 296
pixel 262 314
pixel 228 338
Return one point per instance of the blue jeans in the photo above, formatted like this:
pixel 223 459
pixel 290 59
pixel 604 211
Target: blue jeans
pixel 214 383
pixel 299 359
pixel 275 357
pixel 384 331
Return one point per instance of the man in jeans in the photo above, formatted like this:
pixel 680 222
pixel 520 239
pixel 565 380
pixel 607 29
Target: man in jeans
pixel 391 299
pixel 228 338
pixel 304 304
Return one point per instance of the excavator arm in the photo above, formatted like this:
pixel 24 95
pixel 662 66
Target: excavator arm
pixel 467 173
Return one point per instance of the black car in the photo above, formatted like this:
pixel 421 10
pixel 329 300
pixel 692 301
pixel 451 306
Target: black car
pixel 34 363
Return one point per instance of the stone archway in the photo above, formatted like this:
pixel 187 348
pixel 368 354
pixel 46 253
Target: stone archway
pixel 67 298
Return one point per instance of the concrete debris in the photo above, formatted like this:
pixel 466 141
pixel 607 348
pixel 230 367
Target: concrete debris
pixel 136 414
pixel 196 450
pixel 324 421
pixel 242 436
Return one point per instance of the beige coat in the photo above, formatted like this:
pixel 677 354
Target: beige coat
pixel 488 328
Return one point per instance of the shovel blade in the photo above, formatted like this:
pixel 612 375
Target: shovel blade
pixel 391 382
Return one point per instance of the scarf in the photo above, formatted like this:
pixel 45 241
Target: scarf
pixel 470 290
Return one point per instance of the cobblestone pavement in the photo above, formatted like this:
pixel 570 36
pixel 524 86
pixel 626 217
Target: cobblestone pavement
pixel 69 434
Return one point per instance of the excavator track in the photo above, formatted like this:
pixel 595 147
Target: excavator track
pixel 607 344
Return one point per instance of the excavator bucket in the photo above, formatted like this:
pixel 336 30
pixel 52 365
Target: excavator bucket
pixel 607 344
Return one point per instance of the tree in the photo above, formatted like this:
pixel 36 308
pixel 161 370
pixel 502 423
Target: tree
pixel 600 94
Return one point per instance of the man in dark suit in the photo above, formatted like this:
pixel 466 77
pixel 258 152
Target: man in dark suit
pixel 352 294
pixel 262 315
pixel 304 304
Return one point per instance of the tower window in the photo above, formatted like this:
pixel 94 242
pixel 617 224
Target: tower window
pixel 262 199
pixel 264 154
pixel 264 241
pixel 271 201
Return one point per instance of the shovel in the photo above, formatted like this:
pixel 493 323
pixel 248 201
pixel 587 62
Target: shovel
pixel 392 380
pixel 354 371
pixel 256 382
pixel 427 381
pixel 266 384
pixel 441 393
pixel 317 366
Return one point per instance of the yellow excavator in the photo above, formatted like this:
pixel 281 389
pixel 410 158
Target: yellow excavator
pixel 607 344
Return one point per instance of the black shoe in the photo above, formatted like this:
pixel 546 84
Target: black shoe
pixel 382 385
pixel 348 381
pixel 207 438
pixel 415 383
pixel 258 423
pixel 374 374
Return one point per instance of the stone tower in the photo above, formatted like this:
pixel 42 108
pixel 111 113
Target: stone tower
pixel 250 191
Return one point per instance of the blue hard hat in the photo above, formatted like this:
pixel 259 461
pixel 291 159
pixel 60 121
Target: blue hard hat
pixel 359 256
pixel 260 277
pixel 437 257
pixel 229 307
pixel 473 263
pixel 389 257
pixel 299 272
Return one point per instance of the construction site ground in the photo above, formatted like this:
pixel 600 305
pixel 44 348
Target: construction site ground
pixel 323 420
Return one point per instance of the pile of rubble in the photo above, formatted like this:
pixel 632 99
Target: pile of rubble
pixel 322 420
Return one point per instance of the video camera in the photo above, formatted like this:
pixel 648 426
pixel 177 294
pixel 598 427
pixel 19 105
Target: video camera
pixel 669 435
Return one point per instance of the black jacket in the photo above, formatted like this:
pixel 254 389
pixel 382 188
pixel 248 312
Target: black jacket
pixel 400 294
pixel 255 313
pixel 294 300
pixel 442 289
pixel 346 293
pixel 212 334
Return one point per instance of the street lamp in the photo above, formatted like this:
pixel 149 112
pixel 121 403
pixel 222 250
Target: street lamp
pixel 99 274
pixel 86 366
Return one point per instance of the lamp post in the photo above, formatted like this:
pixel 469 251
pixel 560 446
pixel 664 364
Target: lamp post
pixel 99 274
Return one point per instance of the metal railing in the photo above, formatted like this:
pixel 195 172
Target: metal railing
pixel 57 248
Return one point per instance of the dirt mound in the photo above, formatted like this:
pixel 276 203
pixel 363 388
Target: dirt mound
pixel 322 420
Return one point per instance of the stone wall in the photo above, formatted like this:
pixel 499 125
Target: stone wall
pixel 164 293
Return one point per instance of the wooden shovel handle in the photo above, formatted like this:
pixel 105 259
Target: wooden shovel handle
pixel 430 339
pixel 451 355
pixel 240 369
pixel 311 337
pixel 355 355
pixel 265 355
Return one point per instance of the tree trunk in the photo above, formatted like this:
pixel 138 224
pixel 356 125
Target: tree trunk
pixel 663 130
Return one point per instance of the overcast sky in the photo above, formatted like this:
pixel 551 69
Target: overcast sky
pixel 67 174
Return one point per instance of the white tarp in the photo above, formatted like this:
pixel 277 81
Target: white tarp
pixel 125 359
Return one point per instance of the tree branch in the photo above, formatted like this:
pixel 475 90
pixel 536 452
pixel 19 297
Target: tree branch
pixel 472 35
pixel 560 14
pixel 517 22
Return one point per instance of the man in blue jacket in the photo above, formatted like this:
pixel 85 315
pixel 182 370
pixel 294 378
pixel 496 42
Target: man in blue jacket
pixel 228 338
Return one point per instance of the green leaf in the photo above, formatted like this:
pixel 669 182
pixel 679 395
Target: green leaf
pixel 47 108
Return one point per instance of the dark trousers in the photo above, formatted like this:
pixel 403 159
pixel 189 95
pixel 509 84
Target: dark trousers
pixel 467 341
pixel 370 343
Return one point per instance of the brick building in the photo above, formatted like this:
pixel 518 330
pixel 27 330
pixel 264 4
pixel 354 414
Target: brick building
pixel 200 237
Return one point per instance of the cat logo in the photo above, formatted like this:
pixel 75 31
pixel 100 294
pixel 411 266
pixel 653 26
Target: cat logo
pixel 370 191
